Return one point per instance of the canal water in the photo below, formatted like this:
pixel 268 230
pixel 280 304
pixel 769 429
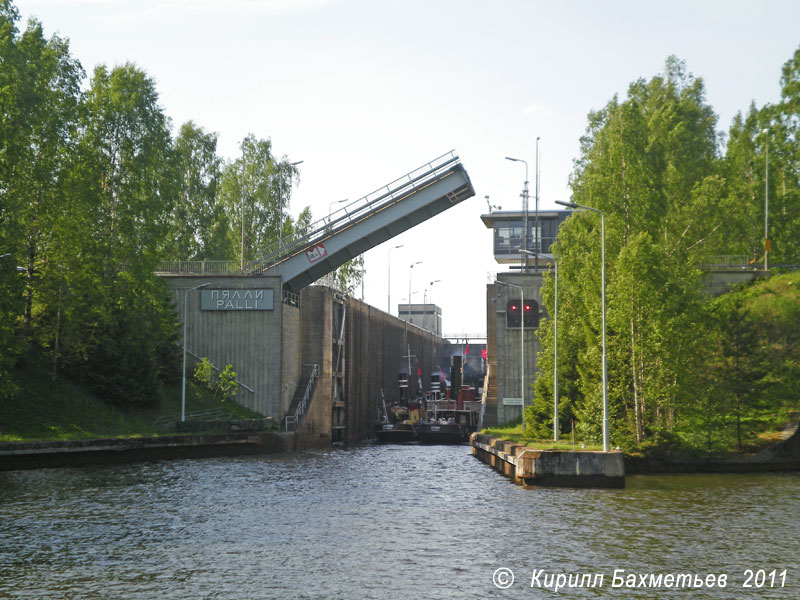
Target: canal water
pixel 387 522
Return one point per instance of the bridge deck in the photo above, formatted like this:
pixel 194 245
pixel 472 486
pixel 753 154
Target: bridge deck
pixel 370 221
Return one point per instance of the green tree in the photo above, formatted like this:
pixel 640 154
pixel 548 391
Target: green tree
pixel 348 276
pixel 131 149
pixel 247 194
pixel 198 223
pixel 768 134
pixel 649 164
pixel 40 118
pixel 120 329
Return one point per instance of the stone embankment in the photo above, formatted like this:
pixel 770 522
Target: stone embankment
pixel 783 456
pixel 37 455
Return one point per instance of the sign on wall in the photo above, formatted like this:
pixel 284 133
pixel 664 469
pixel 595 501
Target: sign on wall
pixel 236 300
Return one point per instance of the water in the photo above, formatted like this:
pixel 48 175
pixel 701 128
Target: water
pixel 379 522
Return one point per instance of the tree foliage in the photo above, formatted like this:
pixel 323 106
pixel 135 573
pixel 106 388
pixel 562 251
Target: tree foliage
pixel 651 164
pixel 86 185
pixel 94 193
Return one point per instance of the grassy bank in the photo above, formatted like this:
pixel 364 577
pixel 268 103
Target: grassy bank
pixel 62 410
pixel 514 433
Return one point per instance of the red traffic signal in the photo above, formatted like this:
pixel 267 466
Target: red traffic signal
pixel 531 314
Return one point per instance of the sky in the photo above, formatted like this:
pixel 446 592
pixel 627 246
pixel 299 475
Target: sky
pixel 365 91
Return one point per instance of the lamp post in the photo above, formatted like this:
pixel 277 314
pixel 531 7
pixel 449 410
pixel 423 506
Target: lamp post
pixel 280 225
pixel 330 208
pixel 243 168
pixel 408 310
pixel 606 441
pixel 524 210
pixel 555 353
pixel 185 320
pixel 419 262
pixel 389 282
pixel 766 201
pixel 536 232
pixel 521 346
pixel 425 309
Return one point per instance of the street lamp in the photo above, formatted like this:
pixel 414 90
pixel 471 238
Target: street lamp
pixel 537 241
pixel 242 190
pixel 521 347
pixel 419 262
pixel 524 211
pixel 185 320
pixel 425 309
pixel 389 282
pixel 555 355
pixel 606 441
pixel 280 225
pixel 555 352
pixel 330 208
pixel 408 313
pixel 766 201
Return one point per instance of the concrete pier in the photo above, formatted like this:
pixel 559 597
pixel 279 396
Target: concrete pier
pixel 556 468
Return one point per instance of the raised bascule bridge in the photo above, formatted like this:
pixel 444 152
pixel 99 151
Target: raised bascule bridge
pixel 305 354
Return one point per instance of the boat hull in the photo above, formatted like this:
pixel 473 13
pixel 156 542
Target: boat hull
pixel 395 434
pixel 450 433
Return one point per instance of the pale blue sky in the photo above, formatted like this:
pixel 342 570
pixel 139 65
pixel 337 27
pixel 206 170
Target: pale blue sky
pixel 364 91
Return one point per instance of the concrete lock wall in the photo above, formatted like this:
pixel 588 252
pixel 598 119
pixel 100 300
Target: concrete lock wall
pixel 504 347
pixel 237 333
pixel 373 355
pixel 314 330
pixel 272 351
pixel 377 348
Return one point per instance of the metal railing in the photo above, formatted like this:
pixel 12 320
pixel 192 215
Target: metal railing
pixel 212 414
pixel 211 267
pixel 738 262
pixel 303 404
pixel 380 198
pixel 280 250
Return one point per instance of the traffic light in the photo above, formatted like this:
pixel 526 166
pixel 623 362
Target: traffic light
pixel 531 313
pixel 513 314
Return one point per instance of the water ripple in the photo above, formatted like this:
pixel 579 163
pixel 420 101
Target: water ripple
pixel 375 522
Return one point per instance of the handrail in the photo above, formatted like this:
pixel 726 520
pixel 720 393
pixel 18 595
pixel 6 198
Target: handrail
pixel 210 267
pixel 301 406
pixel 737 262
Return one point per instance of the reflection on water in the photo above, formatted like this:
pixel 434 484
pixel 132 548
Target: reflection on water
pixel 377 522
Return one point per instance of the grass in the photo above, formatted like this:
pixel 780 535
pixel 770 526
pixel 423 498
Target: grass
pixel 515 433
pixel 63 410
